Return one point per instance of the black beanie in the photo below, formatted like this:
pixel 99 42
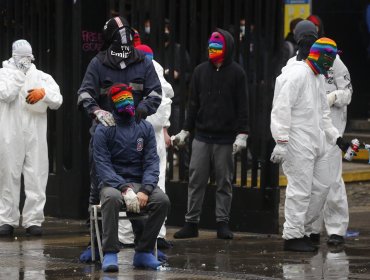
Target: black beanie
pixel 304 28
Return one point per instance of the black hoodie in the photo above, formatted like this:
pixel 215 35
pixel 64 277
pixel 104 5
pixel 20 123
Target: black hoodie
pixel 218 103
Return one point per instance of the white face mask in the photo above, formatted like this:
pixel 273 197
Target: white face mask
pixel 242 30
pixel 23 63
pixel 147 29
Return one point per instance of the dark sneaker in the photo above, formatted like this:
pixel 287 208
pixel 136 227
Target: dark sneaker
pixel 189 230
pixel 298 245
pixel 34 231
pixel 164 244
pixel 315 238
pixel 223 231
pixel 335 240
pixel 6 230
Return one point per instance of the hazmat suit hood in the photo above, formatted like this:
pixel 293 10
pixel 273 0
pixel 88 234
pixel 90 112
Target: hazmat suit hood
pixel 22 55
pixel 229 46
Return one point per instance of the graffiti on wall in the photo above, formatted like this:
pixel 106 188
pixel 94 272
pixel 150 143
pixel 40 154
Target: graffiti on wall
pixel 91 41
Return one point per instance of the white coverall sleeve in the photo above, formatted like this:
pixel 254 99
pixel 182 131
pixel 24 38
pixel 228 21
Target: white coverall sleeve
pixel 331 132
pixel 342 80
pixel 285 96
pixel 52 97
pixel 9 86
pixel 161 118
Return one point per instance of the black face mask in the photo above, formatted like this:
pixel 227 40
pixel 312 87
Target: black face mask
pixel 120 53
pixel 304 47
pixel 166 37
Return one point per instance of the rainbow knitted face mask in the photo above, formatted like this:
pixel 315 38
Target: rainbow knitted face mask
pixel 216 48
pixel 122 98
pixel 322 55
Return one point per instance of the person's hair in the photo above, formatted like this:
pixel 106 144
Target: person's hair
pixel 293 23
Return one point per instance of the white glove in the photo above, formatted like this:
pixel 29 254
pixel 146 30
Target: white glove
pixel 179 138
pixel 105 118
pixel 279 152
pixel 331 98
pixel 131 201
pixel 240 143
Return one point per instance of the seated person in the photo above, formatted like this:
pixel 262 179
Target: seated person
pixel 127 166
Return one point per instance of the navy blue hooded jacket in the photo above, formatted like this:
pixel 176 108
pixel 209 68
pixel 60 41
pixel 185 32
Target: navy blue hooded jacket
pixel 126 153
pixel 140 75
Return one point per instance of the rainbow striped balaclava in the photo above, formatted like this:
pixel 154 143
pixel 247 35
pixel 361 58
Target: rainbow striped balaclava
pixel 216 48
pixel 322 55
pixel 122 98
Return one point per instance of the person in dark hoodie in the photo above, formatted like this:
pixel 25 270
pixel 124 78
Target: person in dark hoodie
pixel 127 165
pixel 218 115
pixel 117 62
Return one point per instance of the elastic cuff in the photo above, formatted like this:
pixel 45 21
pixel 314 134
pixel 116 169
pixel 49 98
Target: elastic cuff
pixel 147 189
pixel 123 188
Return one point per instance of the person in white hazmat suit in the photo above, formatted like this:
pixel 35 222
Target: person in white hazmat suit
pixel 160 123
pixel 339 93
pixel 25 95
pixel 301 127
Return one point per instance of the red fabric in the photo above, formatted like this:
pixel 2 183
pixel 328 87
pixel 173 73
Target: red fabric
pixel 145 48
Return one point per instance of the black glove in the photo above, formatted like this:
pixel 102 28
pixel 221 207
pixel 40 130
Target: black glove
pixel 140 113
pixel 342 144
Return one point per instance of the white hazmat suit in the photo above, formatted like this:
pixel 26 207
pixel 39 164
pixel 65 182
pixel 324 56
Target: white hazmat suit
pixel 300 118
pixel 23 143
pixel 339 93
pixel 159 120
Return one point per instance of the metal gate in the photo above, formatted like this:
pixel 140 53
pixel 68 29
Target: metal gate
pixel 65 35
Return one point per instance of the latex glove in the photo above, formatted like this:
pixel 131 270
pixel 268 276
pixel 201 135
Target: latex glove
pixel 35 95
pixel 350 149
pixel 279 153
pixel 331 98
pixel 131 201
pixel 240 143
pixel 140 113
pixel 343 144
pixel 179 138
pixel 105 118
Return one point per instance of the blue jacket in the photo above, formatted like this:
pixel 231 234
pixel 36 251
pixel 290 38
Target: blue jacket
pixel 126 153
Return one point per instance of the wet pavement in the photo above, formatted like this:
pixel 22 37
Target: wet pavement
pixel 248 256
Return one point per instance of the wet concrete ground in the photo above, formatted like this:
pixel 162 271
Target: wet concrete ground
pixel 248 256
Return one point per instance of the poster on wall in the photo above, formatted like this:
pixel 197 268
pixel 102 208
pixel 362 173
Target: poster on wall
pixel 295 9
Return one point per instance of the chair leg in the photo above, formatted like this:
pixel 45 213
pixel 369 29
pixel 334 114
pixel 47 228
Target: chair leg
pixel 92 234
pixel 98 233
pixel 156 250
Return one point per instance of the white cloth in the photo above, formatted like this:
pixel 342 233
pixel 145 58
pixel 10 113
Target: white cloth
pixel 159 120
pixel 279 153
pixel 335 214
pixel 131 201
pixel 300 117
pixel 23 144
pixel 179 138
pixel 240 143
